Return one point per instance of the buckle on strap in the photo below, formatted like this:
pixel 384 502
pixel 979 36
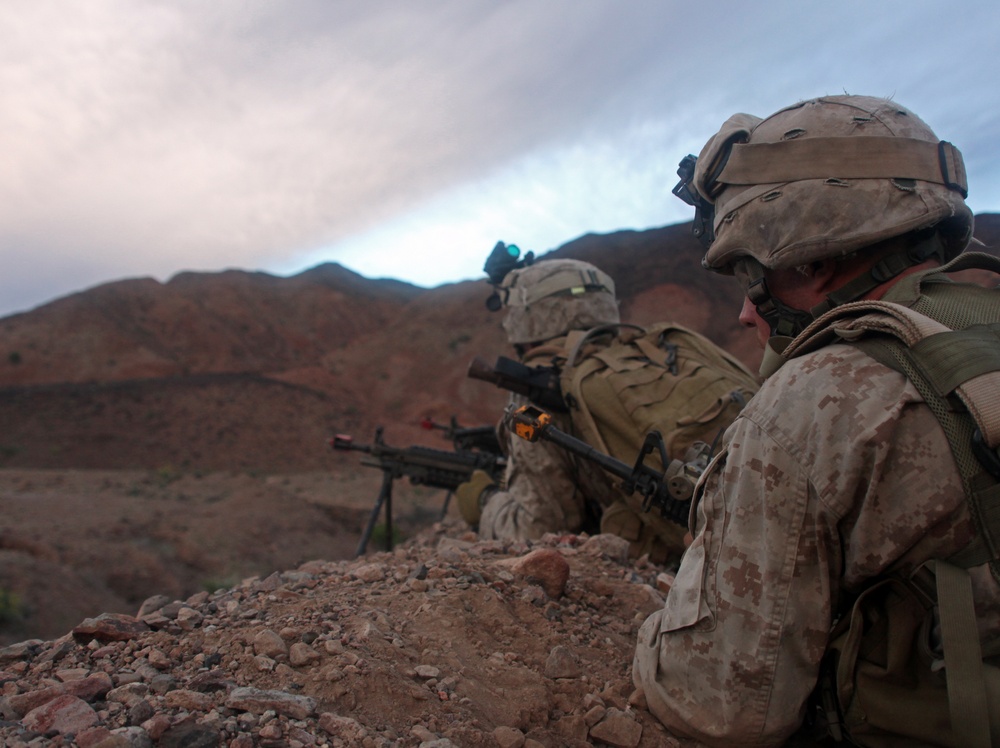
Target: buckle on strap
pixel 987 457
pixel 952 168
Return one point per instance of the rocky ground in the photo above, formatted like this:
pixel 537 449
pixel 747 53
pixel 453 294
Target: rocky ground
pixel 445 641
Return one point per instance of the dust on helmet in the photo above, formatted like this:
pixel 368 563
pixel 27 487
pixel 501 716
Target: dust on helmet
pixel 823 179
pixel 826 177
pixel 552 297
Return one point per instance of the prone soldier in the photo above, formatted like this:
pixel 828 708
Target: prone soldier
pixel 845 538
pixel 562 320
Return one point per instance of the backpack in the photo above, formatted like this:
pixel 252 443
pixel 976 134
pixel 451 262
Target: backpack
pixel 882 683
pixel 620 382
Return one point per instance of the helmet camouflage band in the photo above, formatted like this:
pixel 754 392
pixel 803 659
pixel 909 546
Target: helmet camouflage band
pixel 822 179
pixel 552 297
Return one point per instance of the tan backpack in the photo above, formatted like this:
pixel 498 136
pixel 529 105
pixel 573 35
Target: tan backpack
pixel 620 382
pixel 883 684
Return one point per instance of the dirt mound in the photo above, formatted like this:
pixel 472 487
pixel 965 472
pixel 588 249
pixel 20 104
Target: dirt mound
pixel 443 642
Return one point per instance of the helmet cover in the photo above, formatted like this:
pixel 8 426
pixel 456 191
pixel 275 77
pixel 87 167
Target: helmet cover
pixel 551 297
pixel 826 177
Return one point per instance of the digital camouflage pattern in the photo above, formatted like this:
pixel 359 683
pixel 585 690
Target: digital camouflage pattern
pixel 834 473
pixel 546 490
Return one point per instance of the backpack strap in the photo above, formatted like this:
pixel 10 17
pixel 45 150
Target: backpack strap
pixel 907 290
pixel 963 656
pixel 964 362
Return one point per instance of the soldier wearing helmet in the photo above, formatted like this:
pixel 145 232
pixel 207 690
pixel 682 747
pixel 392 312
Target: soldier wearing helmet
pixel 547 489
pixel 837 484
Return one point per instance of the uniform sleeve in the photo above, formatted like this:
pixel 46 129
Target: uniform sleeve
pixel 541 495
pixel 734 654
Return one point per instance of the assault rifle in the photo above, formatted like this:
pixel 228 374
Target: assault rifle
pixel 422 465
pixel 540 384
pixel 670 490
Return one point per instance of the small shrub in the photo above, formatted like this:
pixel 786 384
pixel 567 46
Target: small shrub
pixel 11 607
pixel 14 357
pixel 377 540
pixel 166 474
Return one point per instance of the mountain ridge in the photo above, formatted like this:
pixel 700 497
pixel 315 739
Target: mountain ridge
pixel 362 353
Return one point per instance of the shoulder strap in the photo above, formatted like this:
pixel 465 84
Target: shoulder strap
pixel 907 289
pixel 941 363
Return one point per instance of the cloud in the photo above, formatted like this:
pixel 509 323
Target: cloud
pixel 144 138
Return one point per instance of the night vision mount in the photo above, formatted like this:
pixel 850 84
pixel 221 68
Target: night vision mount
pixel 503 259
pixel 704 213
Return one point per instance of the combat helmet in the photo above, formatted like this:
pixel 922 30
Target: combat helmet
pixel 549 298
pixel 823 179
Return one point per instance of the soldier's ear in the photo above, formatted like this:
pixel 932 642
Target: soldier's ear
pixel 823 276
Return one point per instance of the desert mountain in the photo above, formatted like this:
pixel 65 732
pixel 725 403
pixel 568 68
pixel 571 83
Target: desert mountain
pixel 247 370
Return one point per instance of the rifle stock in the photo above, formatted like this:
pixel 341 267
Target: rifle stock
pixel 540 384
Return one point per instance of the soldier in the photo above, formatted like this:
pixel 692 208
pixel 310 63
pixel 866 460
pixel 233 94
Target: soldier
pixel 837 474
pixel 546 488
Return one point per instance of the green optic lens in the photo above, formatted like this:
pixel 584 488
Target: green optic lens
pixel 513 250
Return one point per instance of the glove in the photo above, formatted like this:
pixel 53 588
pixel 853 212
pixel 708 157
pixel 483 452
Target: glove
pixel 469 496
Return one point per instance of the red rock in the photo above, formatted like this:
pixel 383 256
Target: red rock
pixel 110 627
pixel 547 566
pixel 63 714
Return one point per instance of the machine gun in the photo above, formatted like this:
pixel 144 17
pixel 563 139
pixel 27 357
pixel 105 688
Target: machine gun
pixel 670 490
pixel 540 384
pixel 422 465
pixel 466 438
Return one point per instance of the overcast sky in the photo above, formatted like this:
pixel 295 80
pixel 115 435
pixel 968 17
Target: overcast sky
pixel 403 139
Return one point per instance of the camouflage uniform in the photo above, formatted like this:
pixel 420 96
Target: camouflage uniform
pixel 794 512
pixel 546 490
pixel 837 471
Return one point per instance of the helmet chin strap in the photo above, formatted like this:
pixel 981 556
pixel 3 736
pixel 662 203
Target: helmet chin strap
pixel 782 319
pixel 786 321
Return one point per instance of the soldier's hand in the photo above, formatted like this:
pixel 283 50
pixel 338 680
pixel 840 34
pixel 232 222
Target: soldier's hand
pixel 469 496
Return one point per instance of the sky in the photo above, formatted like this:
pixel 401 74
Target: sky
pixel 403 139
